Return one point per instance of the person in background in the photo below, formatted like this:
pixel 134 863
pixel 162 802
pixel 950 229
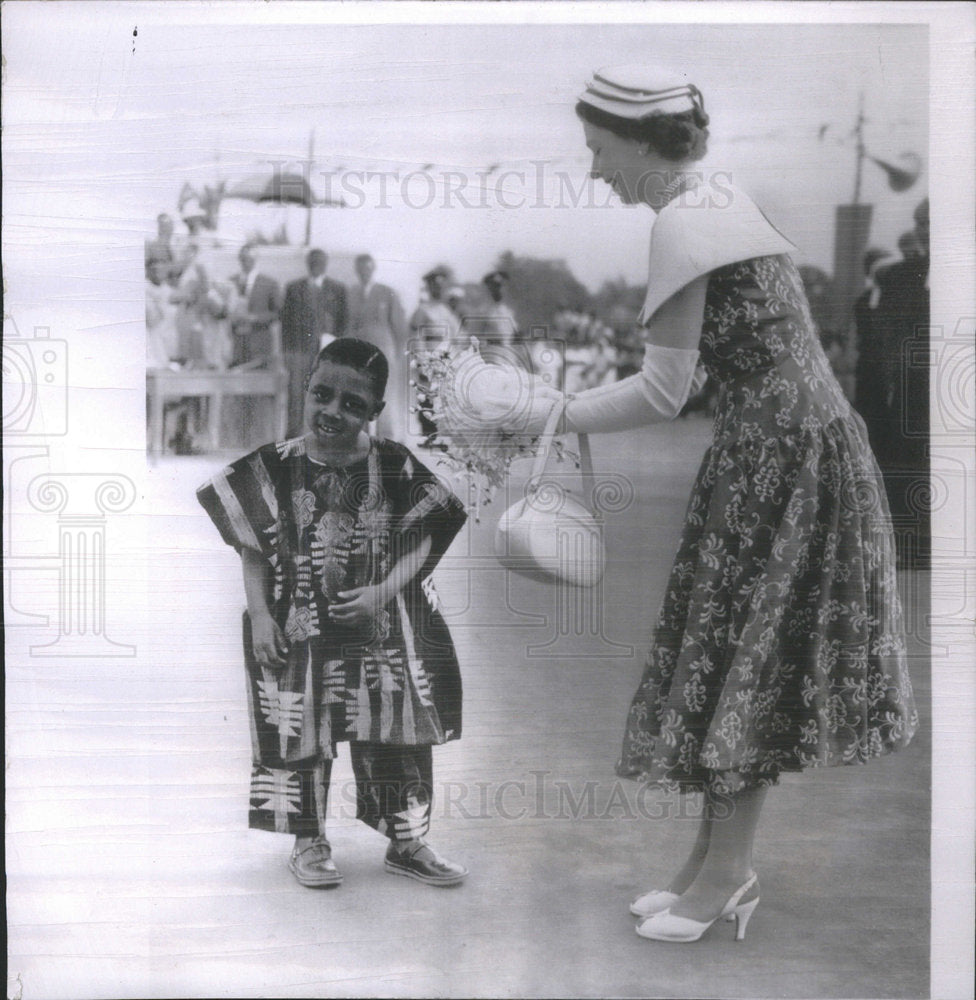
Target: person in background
pixel 630 350
pixel 869 392
pixel 160 249
pixel 162 351
pixel 250 420
pixel 193 216
pixel 314 311
pixel 376 316
pixel 203 308
pixel 256 310
pixel 500 334
pixel 604 370
pixel 455 297
pixel 902 320
pixel 189 292
pixel 162 336
pixel 434 325
pixel 500 324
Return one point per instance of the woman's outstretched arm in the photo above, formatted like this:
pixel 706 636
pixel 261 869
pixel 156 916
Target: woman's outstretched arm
pixel 662 386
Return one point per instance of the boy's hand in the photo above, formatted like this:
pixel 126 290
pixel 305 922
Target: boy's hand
pixel 359 605
pixel 268 642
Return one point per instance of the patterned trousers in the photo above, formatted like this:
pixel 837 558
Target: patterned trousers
pixel 394 792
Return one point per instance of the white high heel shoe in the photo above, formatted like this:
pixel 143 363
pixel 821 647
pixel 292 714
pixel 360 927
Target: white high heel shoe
pixel 655 901
pixel 665 926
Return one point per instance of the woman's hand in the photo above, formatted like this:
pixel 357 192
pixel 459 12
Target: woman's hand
pixel 360 605
pixel 482 398
pixel 268 643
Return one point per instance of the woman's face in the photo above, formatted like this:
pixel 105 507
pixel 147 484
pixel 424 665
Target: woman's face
pixel 631 168
pixel 339 403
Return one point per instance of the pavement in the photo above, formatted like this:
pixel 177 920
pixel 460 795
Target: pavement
pixel 131 872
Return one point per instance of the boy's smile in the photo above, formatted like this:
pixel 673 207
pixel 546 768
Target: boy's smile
pixel 339 403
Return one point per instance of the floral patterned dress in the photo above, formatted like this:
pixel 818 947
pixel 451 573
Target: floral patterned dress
pixel 326 529
pixel 780 643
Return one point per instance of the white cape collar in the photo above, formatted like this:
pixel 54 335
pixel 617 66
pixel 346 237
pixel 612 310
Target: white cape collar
pixel 703 229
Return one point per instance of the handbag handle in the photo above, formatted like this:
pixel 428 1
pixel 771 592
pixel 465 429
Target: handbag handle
pixel 542 456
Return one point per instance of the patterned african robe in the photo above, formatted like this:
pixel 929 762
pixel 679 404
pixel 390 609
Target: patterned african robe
pixel 323 530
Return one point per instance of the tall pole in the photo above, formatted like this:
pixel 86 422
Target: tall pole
pixel 852 229
pixel 859 133
pixel 311 162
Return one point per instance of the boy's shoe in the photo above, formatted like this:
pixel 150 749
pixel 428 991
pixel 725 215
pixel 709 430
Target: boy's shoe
pixel 313 865
pixel 422 864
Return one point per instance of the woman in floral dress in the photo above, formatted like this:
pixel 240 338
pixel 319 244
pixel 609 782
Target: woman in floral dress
pixel 780 643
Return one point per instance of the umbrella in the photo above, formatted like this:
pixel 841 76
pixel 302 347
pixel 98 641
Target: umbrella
pixel 280 186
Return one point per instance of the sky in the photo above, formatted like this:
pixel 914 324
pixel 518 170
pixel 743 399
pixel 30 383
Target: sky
pixel 108 111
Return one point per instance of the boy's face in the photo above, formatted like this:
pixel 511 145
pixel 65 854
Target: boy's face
pixel 339 403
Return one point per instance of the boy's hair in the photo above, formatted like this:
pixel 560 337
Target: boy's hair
pixel 361 356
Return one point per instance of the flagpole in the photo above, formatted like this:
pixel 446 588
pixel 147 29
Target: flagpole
pixel 859 132
pixel 852 228
pixel 311 163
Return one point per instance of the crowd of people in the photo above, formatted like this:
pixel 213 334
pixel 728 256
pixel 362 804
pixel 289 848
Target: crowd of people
pixel 890 333
pixel 195 320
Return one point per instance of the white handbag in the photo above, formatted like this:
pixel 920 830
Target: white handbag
pixel 548 535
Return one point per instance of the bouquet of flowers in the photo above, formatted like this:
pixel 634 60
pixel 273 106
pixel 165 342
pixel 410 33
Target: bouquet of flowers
pixel 486 415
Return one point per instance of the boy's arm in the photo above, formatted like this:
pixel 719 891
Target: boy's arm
pixel 362 603
pixel 267 640
pixel 405 569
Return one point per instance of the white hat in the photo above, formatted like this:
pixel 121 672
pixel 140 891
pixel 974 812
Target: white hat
pixel 641 91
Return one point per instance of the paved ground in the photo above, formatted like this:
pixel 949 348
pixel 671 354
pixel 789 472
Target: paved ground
pixel 131 872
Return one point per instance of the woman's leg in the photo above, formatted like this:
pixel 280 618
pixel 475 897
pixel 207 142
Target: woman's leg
pixel 728 859
pixel 686 875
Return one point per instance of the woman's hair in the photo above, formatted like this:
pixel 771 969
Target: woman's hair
pixel 677 137
pixel 361 356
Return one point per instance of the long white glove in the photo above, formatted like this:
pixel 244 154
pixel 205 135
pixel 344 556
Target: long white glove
pixel 655 394
pixel 659 390
pixel 487 398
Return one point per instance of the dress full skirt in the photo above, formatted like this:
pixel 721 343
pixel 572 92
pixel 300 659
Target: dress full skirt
pixel 780 643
